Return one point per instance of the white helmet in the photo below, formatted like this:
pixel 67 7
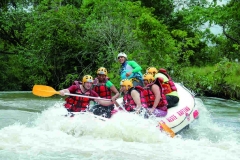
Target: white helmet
pixel 122 54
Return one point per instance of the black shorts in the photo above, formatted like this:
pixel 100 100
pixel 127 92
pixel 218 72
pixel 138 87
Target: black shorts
pixel 172 101
pixel 104 111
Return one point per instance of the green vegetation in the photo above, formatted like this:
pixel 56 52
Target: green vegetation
pixel 221 80
pixel 54 42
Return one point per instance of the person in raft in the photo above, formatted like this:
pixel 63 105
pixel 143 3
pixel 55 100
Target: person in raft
pixel 104 88
pixel 130 70
pixel 78 103
pixel 169 88
pixel 133 98
pixel 156 100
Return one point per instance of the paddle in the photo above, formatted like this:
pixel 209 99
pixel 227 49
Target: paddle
pixel 167 129
pixel 47 91
pixel 119 102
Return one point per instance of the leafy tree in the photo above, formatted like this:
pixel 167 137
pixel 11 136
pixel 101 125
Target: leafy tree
pixel 54 37
pixel 12 26
pixel 161 9
pixel 228 18
pixel 109 29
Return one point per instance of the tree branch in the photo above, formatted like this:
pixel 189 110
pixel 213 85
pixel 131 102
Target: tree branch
pixel 228 36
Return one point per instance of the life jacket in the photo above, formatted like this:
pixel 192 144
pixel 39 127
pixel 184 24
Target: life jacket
pixel 169 85
pixel 78 104
pixel 150 97
pixel 78 83
pixel 102 89
pixel 128 101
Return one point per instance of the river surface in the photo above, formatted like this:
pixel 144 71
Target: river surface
pixel 34 128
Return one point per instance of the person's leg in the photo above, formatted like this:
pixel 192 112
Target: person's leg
pixel 97 110
pixel 159 113
pixel 172 101
pixel 108 111
pixel 104 111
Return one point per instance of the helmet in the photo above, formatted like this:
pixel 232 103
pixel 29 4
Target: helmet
pixel 152 70
pixel 122 54
pixel 127 83
pixel 149 77
pixel 87 78
pixel 102 70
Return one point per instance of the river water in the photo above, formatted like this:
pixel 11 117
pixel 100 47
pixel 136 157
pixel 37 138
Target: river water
pixel 34 128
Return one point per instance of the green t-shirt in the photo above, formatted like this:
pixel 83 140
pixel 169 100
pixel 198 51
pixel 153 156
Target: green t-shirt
pixel 109 84
pixel 132 66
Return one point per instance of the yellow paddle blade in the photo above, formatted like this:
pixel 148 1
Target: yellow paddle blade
pixel 43 91
pixel 167 129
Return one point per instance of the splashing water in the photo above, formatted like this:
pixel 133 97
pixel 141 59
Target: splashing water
pixel 51 135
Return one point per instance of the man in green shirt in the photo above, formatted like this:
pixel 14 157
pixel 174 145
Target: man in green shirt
pixel 130 70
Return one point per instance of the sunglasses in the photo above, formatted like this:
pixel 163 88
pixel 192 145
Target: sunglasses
pixel 121 57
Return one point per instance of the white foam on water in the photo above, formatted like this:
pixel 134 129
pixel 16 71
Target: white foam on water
pixel 53 136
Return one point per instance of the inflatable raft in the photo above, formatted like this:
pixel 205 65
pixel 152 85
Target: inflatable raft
pixel 184 113
pixel 177 118
pixel 180 116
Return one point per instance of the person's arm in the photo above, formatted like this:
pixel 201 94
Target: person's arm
pixel 71 89
pixel 114 98
pixel 102 102
pixel 136 98
pixel 63 91
pixel 136 67
pixel 113 89
pixel 156 91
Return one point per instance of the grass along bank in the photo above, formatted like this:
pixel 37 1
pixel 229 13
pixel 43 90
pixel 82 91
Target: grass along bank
pixel 221 80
